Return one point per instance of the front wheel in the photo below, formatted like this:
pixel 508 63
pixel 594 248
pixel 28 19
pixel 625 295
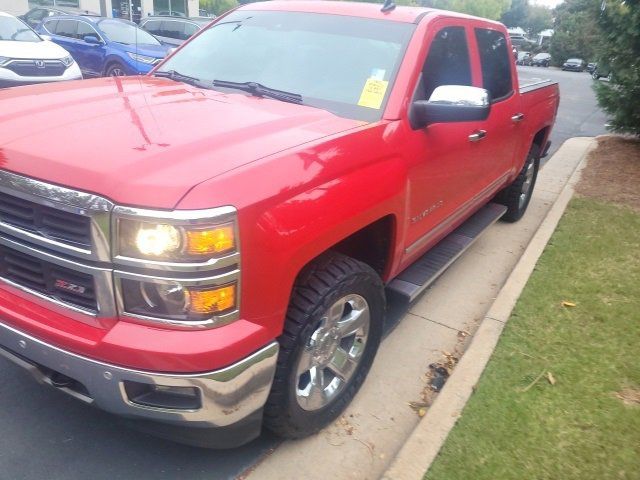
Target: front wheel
pixel 115 70
pixel 331 334
pixel 516 197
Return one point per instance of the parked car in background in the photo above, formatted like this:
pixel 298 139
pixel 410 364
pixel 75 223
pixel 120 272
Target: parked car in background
pixel 36 15
pixel 171 14
pixel 601 71
pixel 574 65
pixel 105 46
pixel 591 67
pixel 26 58
pixel 524 58
pixel 541 60
pixel 173 30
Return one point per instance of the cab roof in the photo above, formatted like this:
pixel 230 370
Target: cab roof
pixel 356 9
pixel 351 9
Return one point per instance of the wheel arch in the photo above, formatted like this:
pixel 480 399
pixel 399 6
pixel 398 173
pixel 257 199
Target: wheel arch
pixel 371 244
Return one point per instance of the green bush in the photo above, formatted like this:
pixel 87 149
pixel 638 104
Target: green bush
pixel 620 51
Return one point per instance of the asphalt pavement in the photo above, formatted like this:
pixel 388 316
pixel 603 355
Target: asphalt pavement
pixel 46 435
pixel 579 114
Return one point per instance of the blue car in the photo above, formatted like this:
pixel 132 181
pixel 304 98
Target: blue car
pixel 105 46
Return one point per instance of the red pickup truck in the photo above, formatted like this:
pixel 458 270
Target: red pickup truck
pixel 208 248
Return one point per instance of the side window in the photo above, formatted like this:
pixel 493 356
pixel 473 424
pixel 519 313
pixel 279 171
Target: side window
pixel 50 25
pixel 447 61
pixel 495 59
pixel 152 26
pixel 84 30
pixel 189 30
pixel 67 28
pixel 172 29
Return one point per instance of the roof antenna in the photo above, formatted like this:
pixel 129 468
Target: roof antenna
pixel 388 6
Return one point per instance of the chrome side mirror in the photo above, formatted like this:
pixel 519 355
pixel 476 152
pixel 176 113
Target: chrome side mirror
pixel 451 103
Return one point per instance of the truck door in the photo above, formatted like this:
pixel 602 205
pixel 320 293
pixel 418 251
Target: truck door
pixel 444 174
pixel 495 151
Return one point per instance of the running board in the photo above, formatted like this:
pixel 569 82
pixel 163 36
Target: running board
pixel 412 281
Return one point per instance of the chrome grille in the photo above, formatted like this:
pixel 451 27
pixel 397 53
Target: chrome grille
pixel 46 221
pixel 54 281
pixel 37 68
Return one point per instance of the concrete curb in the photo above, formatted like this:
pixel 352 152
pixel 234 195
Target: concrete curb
pixel 424 443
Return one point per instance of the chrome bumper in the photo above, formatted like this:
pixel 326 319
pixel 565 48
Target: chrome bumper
pixel 226 396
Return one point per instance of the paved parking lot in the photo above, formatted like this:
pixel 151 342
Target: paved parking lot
pixel 48 435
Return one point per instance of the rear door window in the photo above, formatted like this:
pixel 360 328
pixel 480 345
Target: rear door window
pixel 495 60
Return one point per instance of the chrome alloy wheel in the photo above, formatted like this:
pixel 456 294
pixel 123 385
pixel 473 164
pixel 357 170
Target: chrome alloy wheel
pixel 526 185
pixel 333 352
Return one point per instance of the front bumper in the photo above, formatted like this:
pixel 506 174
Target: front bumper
pixel 226 397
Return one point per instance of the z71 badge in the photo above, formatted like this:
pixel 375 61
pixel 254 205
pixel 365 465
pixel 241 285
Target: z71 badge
pixel 68 286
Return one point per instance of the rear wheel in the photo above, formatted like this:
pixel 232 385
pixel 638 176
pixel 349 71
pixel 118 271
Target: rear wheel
pixel 331 334
pixel 516 197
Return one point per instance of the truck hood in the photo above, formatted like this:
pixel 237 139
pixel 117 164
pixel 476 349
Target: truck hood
pixel 146 141
pixel 44 50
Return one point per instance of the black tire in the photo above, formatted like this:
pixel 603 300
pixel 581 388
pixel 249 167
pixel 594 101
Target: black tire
pixel 512 196
pixel 323 284
pixel 113 69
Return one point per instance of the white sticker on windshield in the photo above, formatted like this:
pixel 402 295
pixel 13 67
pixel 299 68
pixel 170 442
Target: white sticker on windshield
pixel 377 74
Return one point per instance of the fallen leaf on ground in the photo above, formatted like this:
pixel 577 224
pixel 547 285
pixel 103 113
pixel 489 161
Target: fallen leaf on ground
pixel 566 303
pixel 551 378
pixel 422 412
pixel 629 396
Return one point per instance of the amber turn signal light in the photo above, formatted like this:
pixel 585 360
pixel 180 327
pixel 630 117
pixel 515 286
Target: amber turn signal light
pixel 216 240
pixel 211 301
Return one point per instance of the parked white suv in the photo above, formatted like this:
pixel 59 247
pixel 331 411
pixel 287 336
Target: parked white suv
pixel 27 58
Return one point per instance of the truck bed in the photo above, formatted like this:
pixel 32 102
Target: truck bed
pixel 529 82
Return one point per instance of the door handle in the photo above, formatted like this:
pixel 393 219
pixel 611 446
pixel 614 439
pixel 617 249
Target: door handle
pixel 518 117
pixel 477 135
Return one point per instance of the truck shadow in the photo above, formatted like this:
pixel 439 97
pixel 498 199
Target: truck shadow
pixel 47 435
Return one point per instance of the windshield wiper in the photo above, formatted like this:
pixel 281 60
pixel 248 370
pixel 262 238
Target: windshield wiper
pixel 178 77
pixel 259 90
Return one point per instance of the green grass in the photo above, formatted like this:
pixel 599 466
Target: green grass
pixel 577 428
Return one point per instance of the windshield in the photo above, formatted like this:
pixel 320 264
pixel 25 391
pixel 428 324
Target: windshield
pixel 346 65
pixel 12 29
pixel 126 33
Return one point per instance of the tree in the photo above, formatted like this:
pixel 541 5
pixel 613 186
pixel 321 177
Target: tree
pixel 537 19
pixel 492 9
pixel 620 50
pixel 218 7
pixel 576 31
pixel 516 15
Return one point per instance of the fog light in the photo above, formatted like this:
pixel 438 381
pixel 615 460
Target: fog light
pixel 163 396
